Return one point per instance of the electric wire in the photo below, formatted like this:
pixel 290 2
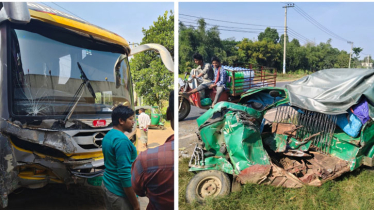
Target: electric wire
pixel 229 21
pixel 317 24
pixel 64 9
pixel 320 24
pixel 219 27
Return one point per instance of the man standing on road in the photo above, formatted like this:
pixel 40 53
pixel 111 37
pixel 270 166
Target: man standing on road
pixel 153 170
pixel 205 71
pixel 144 122
pixel 119 154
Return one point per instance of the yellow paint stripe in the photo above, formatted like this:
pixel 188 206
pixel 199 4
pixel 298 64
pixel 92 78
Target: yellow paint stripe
pixel 20 149
pixel 45 156
pixel 72 24
pixel 30 177
pixel 38 178
pixel 39 154
pixel 93 155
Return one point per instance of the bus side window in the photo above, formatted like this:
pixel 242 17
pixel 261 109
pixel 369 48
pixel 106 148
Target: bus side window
pixel 121 73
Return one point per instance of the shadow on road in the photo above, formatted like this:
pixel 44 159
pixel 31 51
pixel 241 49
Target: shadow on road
pixel 57 197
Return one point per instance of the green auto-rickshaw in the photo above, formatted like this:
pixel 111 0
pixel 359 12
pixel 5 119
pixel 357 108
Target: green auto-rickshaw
pixel 316 129
pixel 154 113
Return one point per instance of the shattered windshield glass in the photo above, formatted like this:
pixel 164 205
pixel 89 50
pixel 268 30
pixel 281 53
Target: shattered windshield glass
pixel 45 76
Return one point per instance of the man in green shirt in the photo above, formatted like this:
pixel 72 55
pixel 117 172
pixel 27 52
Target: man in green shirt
pixel 119 154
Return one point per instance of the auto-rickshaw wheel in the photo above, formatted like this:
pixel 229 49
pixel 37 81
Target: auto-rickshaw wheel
pixel 184 109
pixel 205 184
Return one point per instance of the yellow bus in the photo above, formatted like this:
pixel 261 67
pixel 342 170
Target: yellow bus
pixel 60 78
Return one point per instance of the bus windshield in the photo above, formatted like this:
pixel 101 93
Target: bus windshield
pixel 46 78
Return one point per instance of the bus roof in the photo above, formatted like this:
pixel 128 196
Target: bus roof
pixel 58 18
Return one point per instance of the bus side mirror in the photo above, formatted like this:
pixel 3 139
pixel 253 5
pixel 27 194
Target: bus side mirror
pixel 164 54
pixel 15 12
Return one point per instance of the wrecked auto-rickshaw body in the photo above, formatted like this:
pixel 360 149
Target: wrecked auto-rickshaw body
pixel 288 137
pixel 60 78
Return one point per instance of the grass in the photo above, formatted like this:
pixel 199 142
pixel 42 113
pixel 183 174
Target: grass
pixel 292 75
pixel 352 191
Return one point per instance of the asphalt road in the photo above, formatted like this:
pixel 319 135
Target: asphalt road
pixel 188 128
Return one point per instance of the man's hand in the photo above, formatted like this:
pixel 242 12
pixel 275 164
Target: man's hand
pixel 212 86
pixel 129 191
pixel 193 76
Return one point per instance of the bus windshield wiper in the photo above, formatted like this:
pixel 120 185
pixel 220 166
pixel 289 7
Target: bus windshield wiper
pixel 85 82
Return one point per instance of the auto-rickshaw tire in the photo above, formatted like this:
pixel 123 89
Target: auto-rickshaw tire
pixel 187 111
pixel 204 176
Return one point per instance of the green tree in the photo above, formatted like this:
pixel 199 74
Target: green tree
pixel 259 53
pixel 231 50
pixel 270 34
pixel 342 60
pixel 357 51
pixel 198 39
pixel 281 40
pixel 152 80
pixel 267 51
pixel 296 56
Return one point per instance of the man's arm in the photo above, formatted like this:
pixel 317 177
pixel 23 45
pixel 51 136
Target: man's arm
pixel 132 197
pixel 223 77
pixel 123 156
pixel 199 75
pixel 137 173
pixel 204 71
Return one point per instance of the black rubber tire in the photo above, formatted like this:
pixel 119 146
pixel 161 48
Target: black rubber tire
pixel 185 109
pixel 196 182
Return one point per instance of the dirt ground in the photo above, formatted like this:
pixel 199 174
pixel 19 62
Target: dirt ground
pixel 59 197
pixel 156 138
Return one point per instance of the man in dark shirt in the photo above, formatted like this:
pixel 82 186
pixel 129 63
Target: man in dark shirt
pixel 153 170
pixel 119 154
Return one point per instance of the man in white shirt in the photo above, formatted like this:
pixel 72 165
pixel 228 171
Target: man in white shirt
pixel 204 71
pixel 144 121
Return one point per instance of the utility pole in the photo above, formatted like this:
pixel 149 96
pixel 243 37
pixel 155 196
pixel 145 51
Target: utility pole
pixel 285 36
pixel 350 55
pixel 368 63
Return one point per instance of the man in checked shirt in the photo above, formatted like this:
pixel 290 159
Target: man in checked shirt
pixel 153 170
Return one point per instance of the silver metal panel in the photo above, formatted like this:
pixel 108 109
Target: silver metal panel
pixel 17 12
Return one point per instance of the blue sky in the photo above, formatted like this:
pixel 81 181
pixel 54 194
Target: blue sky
pixel 123 18
pixel 350 21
